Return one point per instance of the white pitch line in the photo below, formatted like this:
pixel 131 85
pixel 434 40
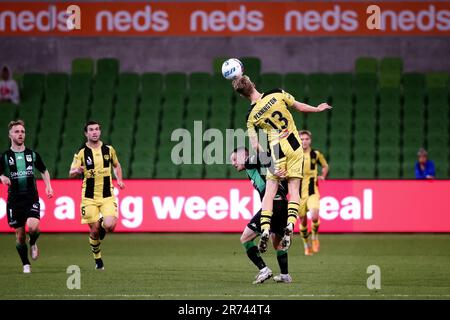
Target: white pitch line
pixel 231 296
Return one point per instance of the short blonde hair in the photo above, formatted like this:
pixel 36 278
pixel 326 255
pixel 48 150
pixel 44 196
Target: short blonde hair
pixel 305 132
pixel 243 85
pixel 422 152
pixel 16 123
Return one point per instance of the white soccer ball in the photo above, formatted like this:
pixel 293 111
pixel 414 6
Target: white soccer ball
pixel 232 69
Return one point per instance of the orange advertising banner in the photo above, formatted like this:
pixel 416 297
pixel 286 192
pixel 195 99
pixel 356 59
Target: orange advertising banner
pixel 421 18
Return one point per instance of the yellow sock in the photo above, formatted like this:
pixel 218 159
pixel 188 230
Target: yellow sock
pixel 304 233
pixel 266 218
pixel 315 229
pixel 292 212
pixel 95 247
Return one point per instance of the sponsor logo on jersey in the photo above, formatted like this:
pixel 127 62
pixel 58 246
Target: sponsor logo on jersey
pixel 89 161
pixel 11 161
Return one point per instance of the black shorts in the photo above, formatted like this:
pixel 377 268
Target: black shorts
pixel 278 222
pixel 20 208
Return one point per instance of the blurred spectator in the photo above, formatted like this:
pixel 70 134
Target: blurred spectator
pixel 9 91
pixel 424 167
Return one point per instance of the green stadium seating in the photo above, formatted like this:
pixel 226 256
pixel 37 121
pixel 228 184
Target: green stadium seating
pixel 191 171
pixel 56 88
pixel 216 171
pixel 341 82
pixel 217 65
pixel 270 81
pixel 108 67
pixel 152 84
pixel 252 67
pixel 200 82
pixel 390 80
pixel 380 118
pixel 175 82
pixel 220 85
pixel 391 65
pixel 436 80
pixel 83 65
pixel 295 84
pixel 318 83
pixel 166 170
pixel 366 65
pixel 32 86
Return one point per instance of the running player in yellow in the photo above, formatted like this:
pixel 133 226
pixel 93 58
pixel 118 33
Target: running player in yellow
pixel 94 161
pixel 309 192
pixel 269 112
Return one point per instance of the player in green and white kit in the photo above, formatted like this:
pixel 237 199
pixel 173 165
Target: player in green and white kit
pixel 17 172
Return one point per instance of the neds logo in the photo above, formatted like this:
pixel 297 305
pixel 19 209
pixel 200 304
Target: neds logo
pixel 234 20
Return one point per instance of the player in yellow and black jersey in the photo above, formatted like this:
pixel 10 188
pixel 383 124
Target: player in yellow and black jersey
pixel 269 112
pixel 309 192
pixel 94 161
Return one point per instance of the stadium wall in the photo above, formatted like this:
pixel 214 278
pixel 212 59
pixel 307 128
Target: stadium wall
pixel 303 54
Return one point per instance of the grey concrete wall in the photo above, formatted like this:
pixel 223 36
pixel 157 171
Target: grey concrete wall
pixel 299 54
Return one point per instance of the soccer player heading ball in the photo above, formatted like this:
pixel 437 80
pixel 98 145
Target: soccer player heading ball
pixel 94 161
pixel 17 172
pixel 269 112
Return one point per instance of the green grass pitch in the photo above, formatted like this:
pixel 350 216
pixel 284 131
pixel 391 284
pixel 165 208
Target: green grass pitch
pixel 215 266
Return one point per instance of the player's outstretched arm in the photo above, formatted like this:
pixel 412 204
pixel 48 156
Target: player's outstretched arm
pixel 303 107
pixel 118 174
pixel 48 187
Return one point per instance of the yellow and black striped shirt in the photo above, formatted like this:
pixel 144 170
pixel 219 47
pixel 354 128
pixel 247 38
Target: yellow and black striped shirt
pixel 311 159
pixel 97 178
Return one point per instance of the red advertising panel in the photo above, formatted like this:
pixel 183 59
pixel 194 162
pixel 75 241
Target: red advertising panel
pixel 358 18
pixel 227 205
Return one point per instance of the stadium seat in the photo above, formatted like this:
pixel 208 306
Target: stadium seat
pixel 270 81
pixel 365 83
pixel 295 84
pixel 141 170
pixel 436 80
pixel 56 86
pixel 318 86
pixel 341 82
pixel 217 65
pixel 175 82
pixel 128 83
pixel 216 171
pixel 408 170
pixel 108 67
pixel 166 170
pixel 32 86
pixel 191 171
pixel 413 80
pixel 363 170
pixel 220 85
pixel 152 84
pixel 388 170
pixel 83 65
pixel 366 65
pixel 252 67
pixel 390 80
pixel 391 65
pixel 200 82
